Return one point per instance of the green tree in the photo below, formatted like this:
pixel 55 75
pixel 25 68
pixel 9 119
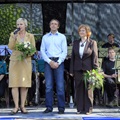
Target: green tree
pixel 8 15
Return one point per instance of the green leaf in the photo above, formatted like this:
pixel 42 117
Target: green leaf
pixel 95 78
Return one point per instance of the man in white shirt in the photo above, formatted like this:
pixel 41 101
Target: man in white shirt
pixel 54 52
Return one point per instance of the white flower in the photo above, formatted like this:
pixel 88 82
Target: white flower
pixel 90 78
pixel 25 46
pixel 29 47
pixel 27 43
pixel 93 77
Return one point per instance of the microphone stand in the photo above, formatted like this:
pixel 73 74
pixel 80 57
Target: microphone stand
pixel 37 81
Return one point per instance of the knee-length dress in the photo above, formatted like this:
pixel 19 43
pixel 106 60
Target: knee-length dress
pixel 20 72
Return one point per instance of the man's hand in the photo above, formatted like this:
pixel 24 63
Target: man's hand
pixel 56 65
pixel 53 64
pixel 114 75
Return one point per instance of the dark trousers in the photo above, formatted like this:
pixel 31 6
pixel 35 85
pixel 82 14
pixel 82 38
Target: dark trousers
pixel 110 88
pixel 83 96
pixel 31 91
pixel 3 85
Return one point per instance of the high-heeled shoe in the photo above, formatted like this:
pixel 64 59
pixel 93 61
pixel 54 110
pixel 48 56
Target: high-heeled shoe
pixel 23 110
pixel 88 113
pixel 14 112
pixel 78 112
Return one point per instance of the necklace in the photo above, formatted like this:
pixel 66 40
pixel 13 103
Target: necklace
pixel 82 45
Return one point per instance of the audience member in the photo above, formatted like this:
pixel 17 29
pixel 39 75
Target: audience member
pixel 111 42
pixel 110 75
pixel 3 85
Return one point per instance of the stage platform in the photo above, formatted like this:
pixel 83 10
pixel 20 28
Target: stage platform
pixel 36 113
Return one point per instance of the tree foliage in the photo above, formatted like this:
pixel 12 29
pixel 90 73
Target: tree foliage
pixel 8 15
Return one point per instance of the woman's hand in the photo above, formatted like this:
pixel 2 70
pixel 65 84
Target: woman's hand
pixel 15 37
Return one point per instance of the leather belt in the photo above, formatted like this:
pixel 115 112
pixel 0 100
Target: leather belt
pixel 54 58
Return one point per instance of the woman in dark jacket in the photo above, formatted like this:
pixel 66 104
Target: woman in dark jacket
pixel 84 57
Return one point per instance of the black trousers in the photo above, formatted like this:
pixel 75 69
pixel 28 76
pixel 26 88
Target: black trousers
pixel 110 88
pixel 3 85
pixel 83 95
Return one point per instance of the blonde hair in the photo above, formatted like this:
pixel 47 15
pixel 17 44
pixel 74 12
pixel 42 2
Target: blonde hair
pixel 24 20
pixel 87 28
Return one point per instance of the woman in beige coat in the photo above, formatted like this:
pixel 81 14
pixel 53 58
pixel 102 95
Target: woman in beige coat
pixel 20 71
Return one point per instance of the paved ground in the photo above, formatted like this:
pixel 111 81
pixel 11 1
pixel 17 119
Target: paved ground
pixel 35 113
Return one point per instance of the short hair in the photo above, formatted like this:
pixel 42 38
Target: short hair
pixel 24 20
pixel 56 21
pixel 111 34
pixel 111 48
pixel 87 28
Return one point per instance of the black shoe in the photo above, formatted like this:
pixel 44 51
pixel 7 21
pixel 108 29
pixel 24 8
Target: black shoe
pixel 14 112
pixel 23 110
pixel 47 111
pixel 61 112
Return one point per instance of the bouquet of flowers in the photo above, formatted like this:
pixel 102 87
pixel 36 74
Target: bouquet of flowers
pixel 26 49
pixel 94 79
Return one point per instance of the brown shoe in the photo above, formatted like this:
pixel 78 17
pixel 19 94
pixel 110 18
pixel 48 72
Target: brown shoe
pixel 88 113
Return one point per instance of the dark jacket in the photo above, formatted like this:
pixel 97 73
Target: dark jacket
pixel 89 60
pixel 107 45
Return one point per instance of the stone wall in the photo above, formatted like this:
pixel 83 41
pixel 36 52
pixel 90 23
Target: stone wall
pixel 102 18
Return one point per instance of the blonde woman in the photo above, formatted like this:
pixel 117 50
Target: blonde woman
pixel 84 57
pixel 20 71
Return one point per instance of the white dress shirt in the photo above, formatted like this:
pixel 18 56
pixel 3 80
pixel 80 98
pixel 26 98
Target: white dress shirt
pixel 81 49
pixel 54 45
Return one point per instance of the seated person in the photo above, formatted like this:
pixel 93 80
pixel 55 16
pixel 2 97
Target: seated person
pixel 110 42
pixel 32 90
pixel 37 56
pixel 110 75
pixel 3 85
